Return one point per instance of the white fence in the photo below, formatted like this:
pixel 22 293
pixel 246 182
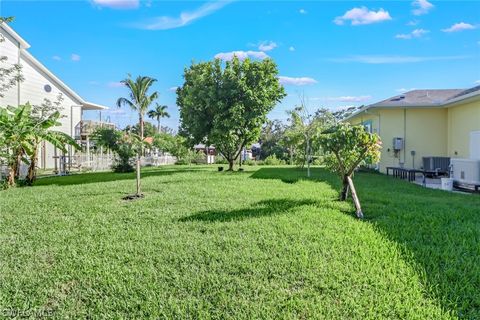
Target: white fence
pixel 97 162
pixel 157 160
pixel 93 162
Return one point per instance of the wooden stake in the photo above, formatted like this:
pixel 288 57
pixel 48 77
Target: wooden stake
pixel 355 198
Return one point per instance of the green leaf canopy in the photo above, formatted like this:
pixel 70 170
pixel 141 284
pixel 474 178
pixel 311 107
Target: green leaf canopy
pixel 227 104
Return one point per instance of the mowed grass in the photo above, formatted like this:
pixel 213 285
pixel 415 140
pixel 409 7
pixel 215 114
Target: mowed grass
pixel 264 243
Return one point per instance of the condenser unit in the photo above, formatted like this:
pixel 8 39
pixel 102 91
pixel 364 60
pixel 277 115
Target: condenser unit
pixel 436 164
pixel 466 171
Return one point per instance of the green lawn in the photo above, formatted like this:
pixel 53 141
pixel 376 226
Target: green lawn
pixel 264 243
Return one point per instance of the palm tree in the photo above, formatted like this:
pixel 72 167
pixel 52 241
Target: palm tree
pixel 158 113
pixel 139 100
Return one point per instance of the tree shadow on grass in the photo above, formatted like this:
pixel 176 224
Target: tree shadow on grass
pixel 259 209
pixel 294 174
pixel 96 177
pixel 438 231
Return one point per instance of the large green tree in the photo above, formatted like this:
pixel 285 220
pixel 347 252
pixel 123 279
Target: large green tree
pixel 139 100
pixel 227 104
pixel 158 113
pixel 347 148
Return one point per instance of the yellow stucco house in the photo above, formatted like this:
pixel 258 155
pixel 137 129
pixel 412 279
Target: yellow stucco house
pixel 424 123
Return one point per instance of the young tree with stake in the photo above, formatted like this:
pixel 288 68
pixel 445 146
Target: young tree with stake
pixel 139 100
pixel 347 147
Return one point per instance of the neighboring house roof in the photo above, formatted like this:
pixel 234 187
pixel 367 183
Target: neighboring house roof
pixel 148 140
pixel 418 98
pixel 23 51
pixel 423 98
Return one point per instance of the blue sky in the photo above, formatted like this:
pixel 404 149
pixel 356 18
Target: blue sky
pixel 335 53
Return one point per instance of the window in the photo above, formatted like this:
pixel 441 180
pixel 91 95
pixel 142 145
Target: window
pixel 368 125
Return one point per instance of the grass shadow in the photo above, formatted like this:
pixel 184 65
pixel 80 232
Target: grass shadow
pixel 291 174
pixel 259 209
pixel 107 176
pixel 438 231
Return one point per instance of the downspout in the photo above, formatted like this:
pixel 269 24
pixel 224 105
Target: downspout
pixel 378 131
pixel 18 81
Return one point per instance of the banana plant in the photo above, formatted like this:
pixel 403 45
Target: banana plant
pixel 20 136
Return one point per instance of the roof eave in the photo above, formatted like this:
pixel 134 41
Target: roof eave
pixel 469 96
pixel 23 44
pixel 93 106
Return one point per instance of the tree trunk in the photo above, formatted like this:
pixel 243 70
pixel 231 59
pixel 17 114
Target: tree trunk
pixel 139 191
pixel 18 163
pixel 158 125
pixel 344 194
pixel 230 164
pixel 32 168
pixel 308 157
pixel 11 178
pixel 355 198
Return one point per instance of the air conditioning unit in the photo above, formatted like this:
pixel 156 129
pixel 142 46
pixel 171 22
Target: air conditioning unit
pixel 466 171
pixel 397 144
pixel 436 164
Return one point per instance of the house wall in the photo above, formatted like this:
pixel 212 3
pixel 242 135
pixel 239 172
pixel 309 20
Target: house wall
pixel 9 48
pixel 423 130
pixel 32 90
pixel 462 120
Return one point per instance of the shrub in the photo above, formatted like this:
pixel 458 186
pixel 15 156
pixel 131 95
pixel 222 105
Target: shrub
pixel 220 160
pixel 125 153
pixel 273 161
pixel 250 162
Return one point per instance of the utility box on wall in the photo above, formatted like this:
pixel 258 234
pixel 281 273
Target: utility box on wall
pixel 397 144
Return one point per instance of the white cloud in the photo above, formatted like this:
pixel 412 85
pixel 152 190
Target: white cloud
pixel 459 27
pixel 350 98
pixel 302 81
pixel 75 57
pixel 421 7
pixel 417 33
pixel 267 46
pixel 379 59
pixel 115 84
pixel 291 48
pixel 302 11
pixel 477 82
pixel 412 23
pixel 242 55
pixel 362 16
pixel 184 19
pixel 57 58
pixel 173 89
pixel 118 4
